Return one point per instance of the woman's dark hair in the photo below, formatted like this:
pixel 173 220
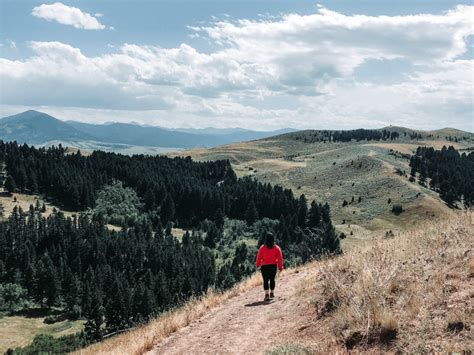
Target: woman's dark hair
pixel 269 240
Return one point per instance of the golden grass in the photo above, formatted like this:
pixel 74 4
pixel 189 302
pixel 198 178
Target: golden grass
pixel 142 339
pixel 24 201
pixel 411 293
pixel 16 331
pixel 9 202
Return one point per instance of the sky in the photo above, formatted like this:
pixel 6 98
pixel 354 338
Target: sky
pixel 261 65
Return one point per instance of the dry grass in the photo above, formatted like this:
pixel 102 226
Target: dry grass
pixel 142 339
pixel 411 293
pixel 23 201
pixel 16 331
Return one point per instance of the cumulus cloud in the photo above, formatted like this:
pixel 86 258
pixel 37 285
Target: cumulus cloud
pixel 61 75
pixel 67 15
pixel 295 70
pixel 304 50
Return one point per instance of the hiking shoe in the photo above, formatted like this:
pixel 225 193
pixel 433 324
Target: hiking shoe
pixel 267 298
pixel 272 295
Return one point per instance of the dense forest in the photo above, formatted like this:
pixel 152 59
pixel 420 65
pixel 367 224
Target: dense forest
pixel 347 136
pixel 183 191
pixel 450 173
pixel 115 279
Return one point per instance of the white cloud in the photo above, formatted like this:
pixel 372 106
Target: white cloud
pixel 67 15
pixel 296 70
pixel 61 75
pixel 304 50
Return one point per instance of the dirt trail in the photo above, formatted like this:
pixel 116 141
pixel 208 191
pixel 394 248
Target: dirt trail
pixel 244 324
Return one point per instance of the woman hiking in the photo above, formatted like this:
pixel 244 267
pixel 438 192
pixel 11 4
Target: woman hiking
pixel 268 259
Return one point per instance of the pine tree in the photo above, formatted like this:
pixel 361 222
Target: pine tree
pixel 326 214
pixel 302 211
pixel 94 313
pixel 167 210
pixel 10 184
pixel 143 304
pixel 115 309
pixel 219 218
pixel 212 236
pixel 422 177
pixel 30 277
pixel 251 214
pixel 150 199
pixel 314 215
pixel 50 282
pixel 71 287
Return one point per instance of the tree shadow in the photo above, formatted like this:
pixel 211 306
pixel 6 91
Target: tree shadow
pixel 258 303
pixel 37 312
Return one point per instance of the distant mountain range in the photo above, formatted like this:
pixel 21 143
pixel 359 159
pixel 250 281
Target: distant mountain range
pixel 38 128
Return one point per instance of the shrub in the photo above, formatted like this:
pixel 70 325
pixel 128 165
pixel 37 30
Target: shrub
pixel 47 344
pixel 119 204
pixel 13 297
pixel 397 209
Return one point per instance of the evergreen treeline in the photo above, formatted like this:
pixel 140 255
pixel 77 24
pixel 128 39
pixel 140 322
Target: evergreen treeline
pixel 182 190
pixel 451 173
pixel 346 136
pixel 113 279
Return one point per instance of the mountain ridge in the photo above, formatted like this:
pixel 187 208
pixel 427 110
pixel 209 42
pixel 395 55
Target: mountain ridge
pixel 36 127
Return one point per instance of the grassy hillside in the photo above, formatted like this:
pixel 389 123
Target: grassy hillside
pixel 16 331
pixel 409 294
pixel 337 171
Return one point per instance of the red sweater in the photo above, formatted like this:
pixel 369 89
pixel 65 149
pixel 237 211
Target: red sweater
pixel 271 256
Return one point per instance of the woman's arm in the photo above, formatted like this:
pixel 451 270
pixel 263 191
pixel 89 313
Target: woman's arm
pixel 258 261
pixel 280 259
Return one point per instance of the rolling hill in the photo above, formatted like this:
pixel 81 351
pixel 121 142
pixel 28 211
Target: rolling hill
pixel 364 174
pixel 38 128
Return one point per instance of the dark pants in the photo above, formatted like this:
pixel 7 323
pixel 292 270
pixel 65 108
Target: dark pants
pixel 268 274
